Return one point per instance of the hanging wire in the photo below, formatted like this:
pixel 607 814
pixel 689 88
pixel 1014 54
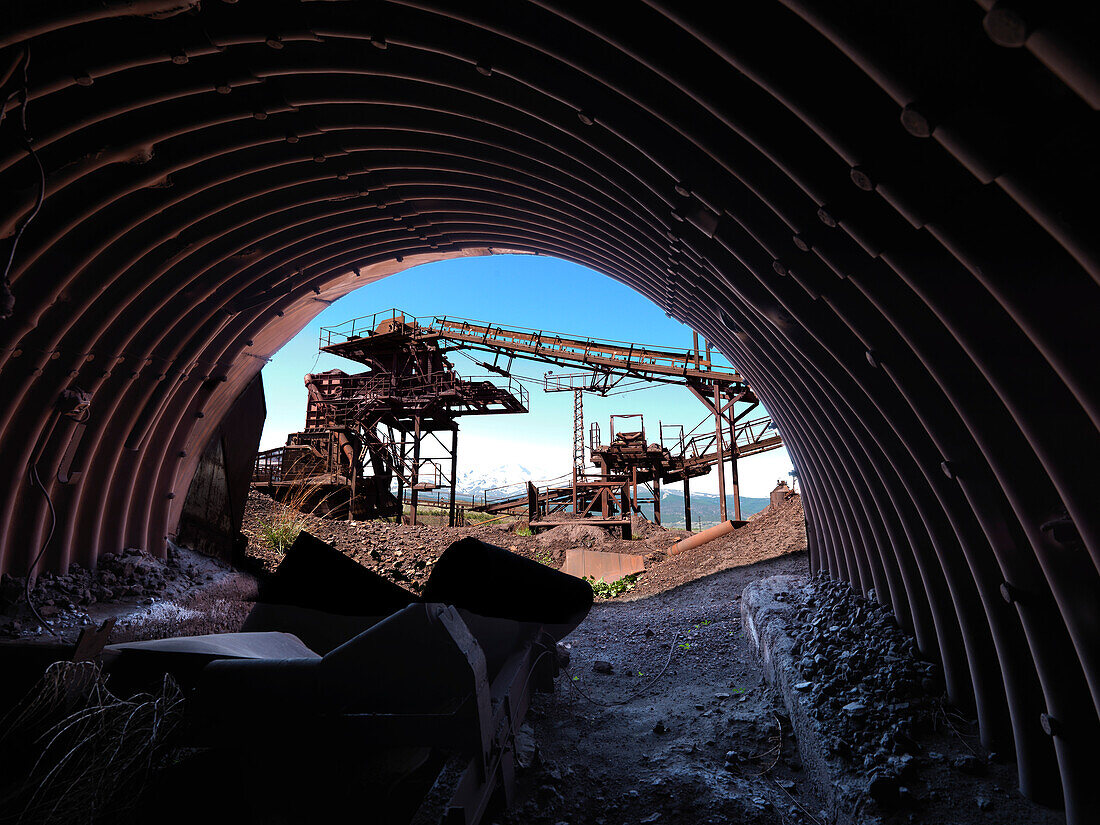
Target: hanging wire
pixel 36 481
pixel 7 302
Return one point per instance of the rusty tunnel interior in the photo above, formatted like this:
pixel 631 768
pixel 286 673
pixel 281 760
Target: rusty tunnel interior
pixel 882 213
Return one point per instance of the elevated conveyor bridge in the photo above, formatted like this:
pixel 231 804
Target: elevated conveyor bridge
pixel 719 387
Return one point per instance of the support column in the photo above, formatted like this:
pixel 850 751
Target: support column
pixel 736 486
pixel 415 470
pixel 687 504
pixel 656 499
pixel 721 452
pixel 400 480
pixel 624 503
pixel 733 467
pixel 454 474
pixel 354 470
pixel 532 504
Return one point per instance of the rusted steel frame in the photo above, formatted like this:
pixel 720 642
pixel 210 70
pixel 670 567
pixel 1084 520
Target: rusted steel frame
pixel 454 476
pixel 515 342
pixel 721 462
pixel 597 496
pixel 415 476
pixel 510 697
pixel 745 412
pixel 532 503
pixel 687 503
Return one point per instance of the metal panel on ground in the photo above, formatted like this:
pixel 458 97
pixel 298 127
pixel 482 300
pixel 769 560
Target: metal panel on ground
pixel 609 567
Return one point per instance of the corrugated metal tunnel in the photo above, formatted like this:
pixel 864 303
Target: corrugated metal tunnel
pixel 883 213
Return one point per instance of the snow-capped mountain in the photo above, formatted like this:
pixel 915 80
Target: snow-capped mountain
pixel 476 479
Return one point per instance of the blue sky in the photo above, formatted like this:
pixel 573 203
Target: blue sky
pixel 527 291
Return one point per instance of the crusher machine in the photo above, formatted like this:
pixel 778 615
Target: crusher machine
pixel 394 425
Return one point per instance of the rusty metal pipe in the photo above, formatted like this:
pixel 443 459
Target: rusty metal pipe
pixel 710 534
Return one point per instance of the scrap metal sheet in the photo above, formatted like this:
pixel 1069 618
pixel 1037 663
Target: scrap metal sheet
pixel 609 567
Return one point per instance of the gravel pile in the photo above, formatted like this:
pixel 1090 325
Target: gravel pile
pixel 132 577
pixel 870 692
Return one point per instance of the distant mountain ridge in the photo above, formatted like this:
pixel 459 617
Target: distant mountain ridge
pixel 705 511
pixel 472 482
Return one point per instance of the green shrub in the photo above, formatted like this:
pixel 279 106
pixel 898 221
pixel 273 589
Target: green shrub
pixel 603 590
pixel 281 531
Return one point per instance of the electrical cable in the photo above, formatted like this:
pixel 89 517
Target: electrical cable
pixel 36 480
pixel 24 56
pixel 635 694
pixel 531 671
pixel 7 307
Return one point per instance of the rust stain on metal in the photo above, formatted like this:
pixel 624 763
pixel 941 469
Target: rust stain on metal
pixel 609 567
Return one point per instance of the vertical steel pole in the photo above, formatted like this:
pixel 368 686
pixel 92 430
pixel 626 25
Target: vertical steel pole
pixel 733 472
pixel 351 500
pixel 687 504
pixel 721 451
pixel 400 480
pixel 415 469
pixel 454 473
pixel 656 499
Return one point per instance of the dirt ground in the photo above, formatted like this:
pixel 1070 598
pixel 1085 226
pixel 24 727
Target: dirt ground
pixel 662 715
pixel 405 554
pixel 695 744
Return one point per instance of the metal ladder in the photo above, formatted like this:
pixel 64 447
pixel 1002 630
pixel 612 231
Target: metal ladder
pixel 578 430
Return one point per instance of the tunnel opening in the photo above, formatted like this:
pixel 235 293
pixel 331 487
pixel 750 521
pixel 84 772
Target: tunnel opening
pixel 511 292
pixel 876 213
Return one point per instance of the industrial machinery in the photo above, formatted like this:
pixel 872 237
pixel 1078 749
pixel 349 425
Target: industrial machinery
pixel 630 469
pixel 397 422
pixel 365 433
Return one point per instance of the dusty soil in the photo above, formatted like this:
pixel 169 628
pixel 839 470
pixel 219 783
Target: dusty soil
pixel 771 533
pixel 191 594
pixel 406 554
pixel 662 716
pixel 701 744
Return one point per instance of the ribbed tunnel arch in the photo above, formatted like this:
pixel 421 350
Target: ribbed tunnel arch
pixel 878 211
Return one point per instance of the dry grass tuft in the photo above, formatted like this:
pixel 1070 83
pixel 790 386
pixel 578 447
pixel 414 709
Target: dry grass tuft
pixel 85 752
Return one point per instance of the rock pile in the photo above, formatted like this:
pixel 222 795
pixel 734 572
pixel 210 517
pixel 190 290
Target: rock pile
pixel 130 577
pixel 870 693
